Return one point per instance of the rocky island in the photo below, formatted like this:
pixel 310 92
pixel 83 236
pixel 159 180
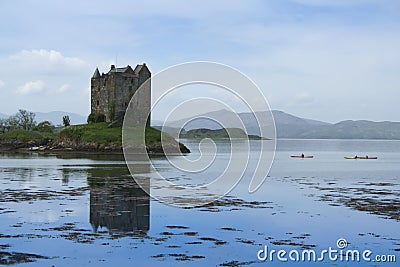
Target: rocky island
pixel 111 93
pixel 88 138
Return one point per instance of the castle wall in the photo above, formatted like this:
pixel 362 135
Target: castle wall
pixel 146 97
pixel 102 91
pixel 125 84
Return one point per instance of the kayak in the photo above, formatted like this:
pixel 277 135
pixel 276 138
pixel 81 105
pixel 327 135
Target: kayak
pixel 300 157
pixel 361 157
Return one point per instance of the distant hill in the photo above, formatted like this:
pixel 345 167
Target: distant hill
pixel 219 133
pixel 55 117
pixel 289 126
pixel 355 130
pixel 169 130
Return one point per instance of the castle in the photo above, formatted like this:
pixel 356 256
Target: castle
pixel 111 93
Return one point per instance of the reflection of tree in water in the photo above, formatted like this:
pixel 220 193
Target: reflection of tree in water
pixel 116 201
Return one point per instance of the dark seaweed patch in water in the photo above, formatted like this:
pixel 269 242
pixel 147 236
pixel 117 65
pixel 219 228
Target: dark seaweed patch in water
pixel 378 198
pixel 158 256
pixel 16 195
pixel 178 257
pixel 177 227
pixel 230 229
pixel 64 227
pixel 173 246
pixel 11 258
pixel 3 211
pixel 80 238
pixel 166 233
pixel 237 263
pixel 288 242
pixel 161 239
pixel 216 241
pixel 229 203
pixel 191 233
pixel 246 241
pixel 194 243
pixel 302 236
pixel 382 202
pixel 208 239
pixel 377 184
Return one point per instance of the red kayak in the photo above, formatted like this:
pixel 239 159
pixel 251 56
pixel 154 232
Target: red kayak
pixel 302 157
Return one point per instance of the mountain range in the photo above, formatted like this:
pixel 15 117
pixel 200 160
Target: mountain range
pixel 289 126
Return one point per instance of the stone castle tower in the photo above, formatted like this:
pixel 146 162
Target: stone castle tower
pixel 111 92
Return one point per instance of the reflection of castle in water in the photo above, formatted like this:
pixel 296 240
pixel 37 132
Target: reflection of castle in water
pixel 117 202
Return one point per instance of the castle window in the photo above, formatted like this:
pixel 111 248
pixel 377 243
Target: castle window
pixel 98 103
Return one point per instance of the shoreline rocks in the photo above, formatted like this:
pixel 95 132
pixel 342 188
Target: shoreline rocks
pixel 86 147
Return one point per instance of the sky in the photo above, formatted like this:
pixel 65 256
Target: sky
pixel 324 60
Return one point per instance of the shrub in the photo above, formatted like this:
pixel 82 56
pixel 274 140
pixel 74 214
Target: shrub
pixel 44 127
pixel 96 117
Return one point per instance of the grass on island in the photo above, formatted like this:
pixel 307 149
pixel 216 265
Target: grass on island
pixel 93 132
pixel 102 134
pixel 98 133
pixel 28 136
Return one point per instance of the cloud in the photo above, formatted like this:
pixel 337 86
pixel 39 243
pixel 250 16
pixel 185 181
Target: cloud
pixel 38 75
pixel 47 62
pixel 31 88
pixel 63 88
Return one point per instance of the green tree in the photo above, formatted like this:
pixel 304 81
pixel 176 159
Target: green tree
pixel 24 120
pixel 44 127
pixel 66 121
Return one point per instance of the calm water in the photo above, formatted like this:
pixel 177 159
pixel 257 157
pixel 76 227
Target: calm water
pixel 87 211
